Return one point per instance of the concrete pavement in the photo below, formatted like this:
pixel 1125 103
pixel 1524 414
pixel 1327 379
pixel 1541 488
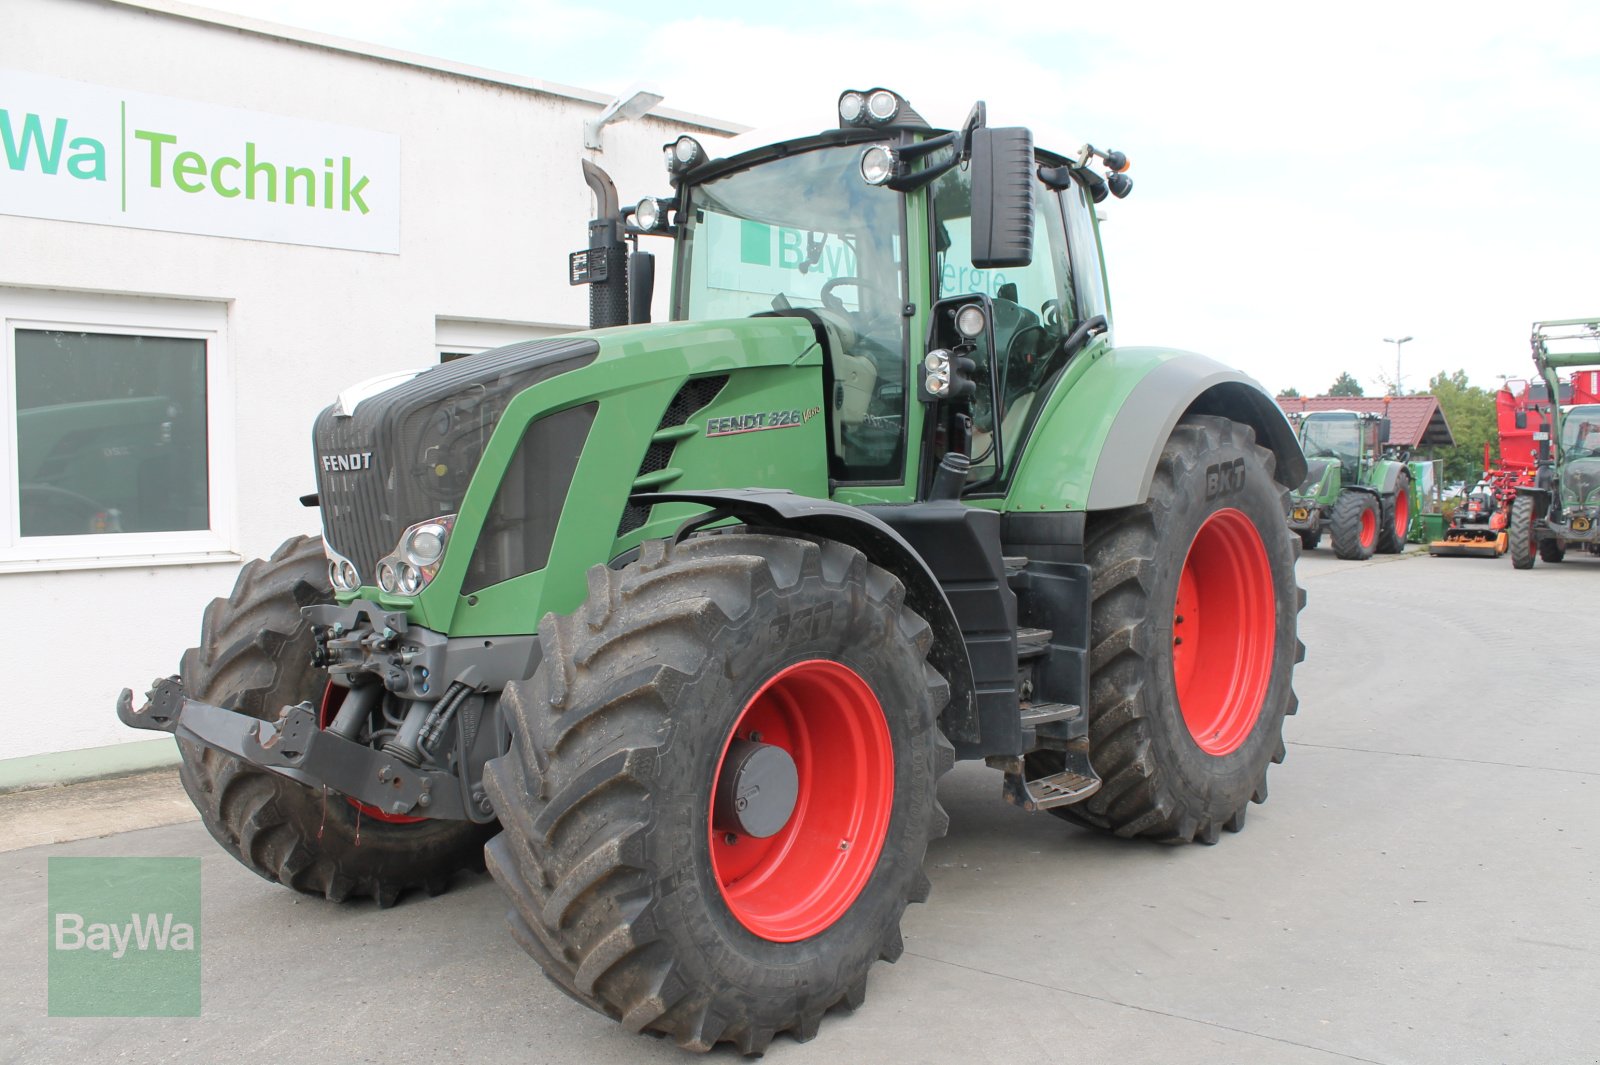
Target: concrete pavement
pixel 1421 888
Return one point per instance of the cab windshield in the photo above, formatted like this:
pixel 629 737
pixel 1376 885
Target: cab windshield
pixel 1332 438
pixel 805 232
pixel 1580 432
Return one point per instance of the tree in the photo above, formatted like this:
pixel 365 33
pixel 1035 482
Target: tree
pixel 1471 414
pixel 1290 393
pixel 1346 386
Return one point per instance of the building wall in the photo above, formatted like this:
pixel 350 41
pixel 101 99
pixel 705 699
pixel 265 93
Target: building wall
pixel 492 201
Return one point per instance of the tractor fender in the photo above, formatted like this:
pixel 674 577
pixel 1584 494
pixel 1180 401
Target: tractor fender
pixel 1391 477
pixel 1101 434
pixel 781 509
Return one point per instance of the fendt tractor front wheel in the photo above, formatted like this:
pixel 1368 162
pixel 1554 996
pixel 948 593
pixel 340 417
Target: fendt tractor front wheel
pixel 1354 525
pixel 1395 520
pixel 721 787
pixel 1193 642
pixel 1519 533
pixel 255 657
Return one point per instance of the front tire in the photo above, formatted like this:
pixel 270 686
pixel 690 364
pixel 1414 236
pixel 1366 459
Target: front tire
pixel 1354 525
pixel 1200 576
pixel 255 657
pixel 628 884
pixel 1519 533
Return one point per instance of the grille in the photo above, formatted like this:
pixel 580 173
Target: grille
pixel 408 454
pixel 693 397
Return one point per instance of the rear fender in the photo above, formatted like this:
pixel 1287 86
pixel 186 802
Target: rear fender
pixel 1097 442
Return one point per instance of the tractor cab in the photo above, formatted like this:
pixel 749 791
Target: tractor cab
pixel 1349 438
pixel 949 275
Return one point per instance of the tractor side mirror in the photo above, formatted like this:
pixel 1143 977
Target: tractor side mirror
pixel 1002 197
pixel 1522 419
pixel 1383 430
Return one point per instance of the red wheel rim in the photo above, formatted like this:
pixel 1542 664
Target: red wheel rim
pixel 1402 513
pixel 333 698
pixel 1369 527
pixel 1224 632
pixel 797 883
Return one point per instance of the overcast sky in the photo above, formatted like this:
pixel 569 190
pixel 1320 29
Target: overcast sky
pixel 1309 178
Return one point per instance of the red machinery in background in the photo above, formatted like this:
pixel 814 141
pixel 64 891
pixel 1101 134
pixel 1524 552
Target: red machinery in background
pixel 1521 411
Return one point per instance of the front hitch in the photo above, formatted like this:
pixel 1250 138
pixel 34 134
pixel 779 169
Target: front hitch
pixel 294 746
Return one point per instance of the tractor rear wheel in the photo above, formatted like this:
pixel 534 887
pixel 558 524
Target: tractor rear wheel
pixel 1310 538
pixel 1519 533
pixel 1552 550
pixel 721 787
pixel 1192 645
pixel 1354 525
pixel 1395 521
pixel 255 657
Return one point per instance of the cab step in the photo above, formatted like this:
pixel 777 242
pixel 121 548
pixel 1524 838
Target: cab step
pixel 1074 782
pixel 1043 713
pixel 1032 642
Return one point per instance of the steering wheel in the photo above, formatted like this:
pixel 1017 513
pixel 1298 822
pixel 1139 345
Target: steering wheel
pixel 1051 314
pixel 834 303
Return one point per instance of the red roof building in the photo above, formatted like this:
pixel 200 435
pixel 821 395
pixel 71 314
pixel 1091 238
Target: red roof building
pixel 1414 421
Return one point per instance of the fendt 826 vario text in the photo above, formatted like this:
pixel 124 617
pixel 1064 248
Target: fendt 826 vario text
pixel 685 620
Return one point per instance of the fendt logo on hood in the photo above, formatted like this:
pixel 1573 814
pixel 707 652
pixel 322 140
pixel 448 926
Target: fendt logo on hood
pixel 355 460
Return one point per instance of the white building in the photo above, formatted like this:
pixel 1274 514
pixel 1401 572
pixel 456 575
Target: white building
pixel 208 225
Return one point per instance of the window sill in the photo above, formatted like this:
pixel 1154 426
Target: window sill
pixel 102 562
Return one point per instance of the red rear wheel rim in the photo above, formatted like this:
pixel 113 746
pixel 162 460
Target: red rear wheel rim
pixel 332 698
pixel 1402 513
pixel 1369 527
pixel 1224 632
pixel 797 883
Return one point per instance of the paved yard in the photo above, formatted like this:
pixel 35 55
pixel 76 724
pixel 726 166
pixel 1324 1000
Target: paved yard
pixel 1421 888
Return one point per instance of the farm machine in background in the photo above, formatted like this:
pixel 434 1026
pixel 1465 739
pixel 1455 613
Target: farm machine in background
pixel 1478 528
pixel 1362 497
pixel 1561 508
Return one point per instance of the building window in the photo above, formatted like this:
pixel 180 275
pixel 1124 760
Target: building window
pixel 113 454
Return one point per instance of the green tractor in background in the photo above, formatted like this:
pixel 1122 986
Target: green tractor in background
pixel 685 620
pixel 1363 499
pixel 1561 509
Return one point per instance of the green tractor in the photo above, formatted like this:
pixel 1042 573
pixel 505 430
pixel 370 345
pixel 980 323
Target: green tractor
pixel 685 620
pixel 1561 509
pixel 1361 497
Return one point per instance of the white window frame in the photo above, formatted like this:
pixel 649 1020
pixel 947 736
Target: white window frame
pixel 123 315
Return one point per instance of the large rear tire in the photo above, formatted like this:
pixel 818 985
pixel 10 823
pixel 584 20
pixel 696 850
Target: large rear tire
pixel 628 883
pixel 255 657
pixel 1354 525
pixel 1394 522
pixel 1552 550
pixel 1519 533
pixel 1193 641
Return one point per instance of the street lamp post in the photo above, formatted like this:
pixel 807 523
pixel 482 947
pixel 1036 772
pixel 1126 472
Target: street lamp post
pixel 1397 344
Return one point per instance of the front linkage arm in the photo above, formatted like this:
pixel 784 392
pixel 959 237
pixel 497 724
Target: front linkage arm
pixel 295 747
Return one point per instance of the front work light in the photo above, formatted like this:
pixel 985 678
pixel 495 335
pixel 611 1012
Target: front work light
pixel 882 105
pixel 683 155
pixel 937 368
pixel 648 214
pixel 970 322
pixel 851 104
pixel 878 164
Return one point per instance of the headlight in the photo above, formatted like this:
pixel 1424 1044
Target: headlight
pixel 877 164
pixel 685 153
pixel 851 104
pixel 415 559
pixel 342 572
pixel 423 545
pixel 970 322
